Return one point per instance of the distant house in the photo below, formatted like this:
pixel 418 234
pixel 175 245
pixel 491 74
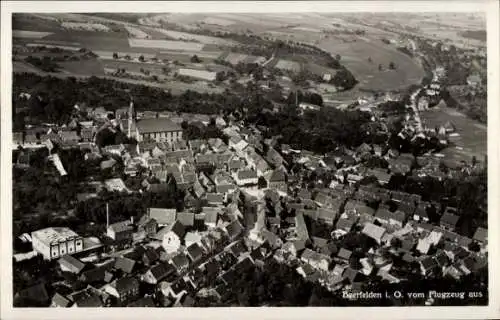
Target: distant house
pixel 373 231
pixel 428 266
pixel 211 218
pixel 125 264
pixel 383 215
pixel 398 218
pixel 36 294
pixel 327 215
pixel 86 298
pixel 421 214
pixel 271 239
pixel 315 259
pixel 344 254
pixel 173 236
pixel 234 229
pixel 449 221
pixel 473 80
pixel 120 231
pixel 481 235
pixel 162 216
pixel 69 136
pixel 194 252
pixel 294 247
pixel 185 218
pixel 276 179
pixel 148 225
pixel 301 228
pixel 71 264
pixel 382 176
pixel 246 177
pixel 214 198
pixel 124 289
pixel 344 225
pixel 158 272
pixel 180 261
pixel 158 129
pixel 87 134
pixel 60 301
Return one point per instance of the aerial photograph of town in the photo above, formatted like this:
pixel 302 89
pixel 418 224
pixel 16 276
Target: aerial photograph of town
pixel 249 160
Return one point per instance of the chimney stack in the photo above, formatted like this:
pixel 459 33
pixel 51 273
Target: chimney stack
pixel 107 216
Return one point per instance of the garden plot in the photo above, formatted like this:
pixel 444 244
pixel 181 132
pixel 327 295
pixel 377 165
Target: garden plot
pixel 165 44
pixel 85 26
pixel 29 34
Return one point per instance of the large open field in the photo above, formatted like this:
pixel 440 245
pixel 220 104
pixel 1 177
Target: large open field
pixel 355 55
pixel 133 66
pixel 165 44
pixel 472 134
pixel 184 36
pixel 29 34
pixel 108 41
pixel 92 67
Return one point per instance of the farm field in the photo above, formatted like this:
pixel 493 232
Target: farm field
pixel 29 34
pixel 104 41
pixel 288 65
pixel 319 70
pixel 70 48
pixel 153 33
pixel 194 37
pixel 472 134
pixel 84 26
pixel 185 56
pixel 354 56
pixel 235 58
pixel 34 23
pixel 133 55
pixel 92 67
pixel 133 66
pixel 21 66
pixel 176 87
pixel 165 45
pixel 137 33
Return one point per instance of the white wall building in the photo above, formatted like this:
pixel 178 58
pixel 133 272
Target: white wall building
pixel 53 243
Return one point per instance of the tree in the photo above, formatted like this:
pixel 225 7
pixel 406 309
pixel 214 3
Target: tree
pixel 344 79
pixel 370 59
pixel 115 55
pixel 337 57
pixel 262 183
pixel 127 57
pixel 141 58
pixel 392 66
pixel 195 59
pixel 380 67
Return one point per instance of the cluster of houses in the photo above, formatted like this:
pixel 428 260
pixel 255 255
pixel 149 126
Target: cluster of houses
pixel 254 206
pixel 414 230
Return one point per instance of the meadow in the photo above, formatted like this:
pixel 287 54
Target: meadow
pixel 165 45
pixel 472 139
pixel 355 56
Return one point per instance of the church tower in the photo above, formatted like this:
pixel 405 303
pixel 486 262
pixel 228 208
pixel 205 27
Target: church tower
pixel 130 118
